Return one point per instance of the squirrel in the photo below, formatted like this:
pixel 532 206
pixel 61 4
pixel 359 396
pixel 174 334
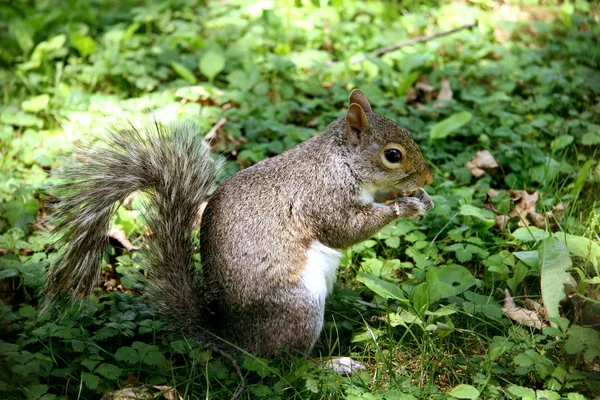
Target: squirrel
pixel 270 235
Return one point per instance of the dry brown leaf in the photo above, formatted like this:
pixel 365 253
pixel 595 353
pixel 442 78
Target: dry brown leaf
pixel 121 237
pixel 548 219
pixel 169 392
pixel 524 204
pixel 491 194
pixel 110 284
pixel 520 315
pixel 483 160
pixel 502 221
pixel 537 307
pixel 445 93
pixel 538 220
pixel 411 95
pixel 137 393
pixel 425 88
pixel 143 393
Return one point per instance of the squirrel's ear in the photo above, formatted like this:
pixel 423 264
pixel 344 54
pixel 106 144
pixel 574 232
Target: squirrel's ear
pixel 356 123
pixel 358 97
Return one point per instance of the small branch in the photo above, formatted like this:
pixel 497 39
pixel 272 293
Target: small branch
pixel 214 132
pixel 410 42
pixel 237 368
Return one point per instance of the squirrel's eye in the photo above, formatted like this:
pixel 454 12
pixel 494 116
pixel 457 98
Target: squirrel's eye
pixel 393 155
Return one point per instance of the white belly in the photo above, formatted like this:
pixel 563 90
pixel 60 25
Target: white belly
pixel 318 277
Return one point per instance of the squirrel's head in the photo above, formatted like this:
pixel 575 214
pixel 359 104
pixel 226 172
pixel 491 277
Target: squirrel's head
pixel 385 156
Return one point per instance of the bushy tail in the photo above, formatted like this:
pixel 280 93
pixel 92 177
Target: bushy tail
pixel 176 170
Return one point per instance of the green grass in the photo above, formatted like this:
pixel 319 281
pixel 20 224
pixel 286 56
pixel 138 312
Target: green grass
pixel 421 302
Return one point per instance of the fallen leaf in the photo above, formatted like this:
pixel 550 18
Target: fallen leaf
pixel 520 315
pixel 483 160
pixel 502 221
pixel 121 237
pixel 425 89
pixel 143 393
pixel 524 204
pixel 411 95
pixel 169 392
pixel 445 93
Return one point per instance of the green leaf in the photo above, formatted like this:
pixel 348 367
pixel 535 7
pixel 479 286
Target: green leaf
pixel 385 289
pixel 458 277
pixel 561 142
pixel 84 44
pixel 90 380
pixel 109 371
pixel 21 119
pixel 554 263
pixel 127 354
pixel 487 216
pixel 36 391
pixel 22 32
pixel 261 390
pixel 211 64
pixel 35 104
pixel 521 392
pixel 260 366
pixel 529 258
pixel 184 72
pixel 463 391
pixel 591 139
pixel 580 246
pixel 445 127
pixel 530 233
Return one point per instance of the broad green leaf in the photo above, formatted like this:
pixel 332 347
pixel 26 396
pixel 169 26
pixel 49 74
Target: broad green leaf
pixel 445 127
pixel 580 246
pixel 109 371
pixel 554 263
pixel 591 139
pixel 487 216
pixel 22 32
pixel 383 288
pixel 211 64
pixel 21 119
pixel 522 392
pixel 561 142
pixel 127 354
pixel 530 234
pixel 457 276
pixel 36 391
pixel 260 366
pixel 35 104
pixel 529 258
pixel 184 72
pixel 90 380
pixel 463 391
pixel 84 44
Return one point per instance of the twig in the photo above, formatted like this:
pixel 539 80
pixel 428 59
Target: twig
pixel 409 42
pixel 237 368
pixel 214 131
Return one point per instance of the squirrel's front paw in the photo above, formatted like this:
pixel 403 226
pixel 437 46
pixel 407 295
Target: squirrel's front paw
pixel 422 195
pixel 415 206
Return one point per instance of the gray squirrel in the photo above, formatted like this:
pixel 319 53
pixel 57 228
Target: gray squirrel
pixel 270 235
